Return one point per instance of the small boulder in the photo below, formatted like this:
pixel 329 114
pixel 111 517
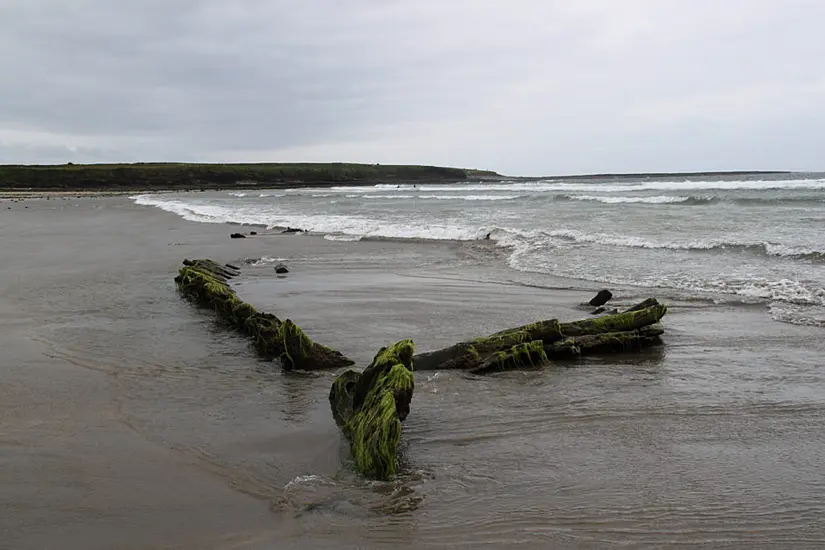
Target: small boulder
pixel 281 269
pixel 237 236
pixel 292 230
pixel 601 298
pixel 253 232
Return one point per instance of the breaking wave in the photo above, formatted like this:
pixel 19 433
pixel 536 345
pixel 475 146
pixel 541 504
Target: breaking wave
pixel 331 224
pixel 439 197
pixel 605 187
pixel 762 248
pixel 535 249
pixel 658 199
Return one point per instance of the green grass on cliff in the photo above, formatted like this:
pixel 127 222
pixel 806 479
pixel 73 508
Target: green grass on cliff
pixel 193 176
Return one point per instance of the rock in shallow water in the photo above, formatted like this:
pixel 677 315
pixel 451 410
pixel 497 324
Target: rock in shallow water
pixel 601 298
pixel 281 268
pixel 237 236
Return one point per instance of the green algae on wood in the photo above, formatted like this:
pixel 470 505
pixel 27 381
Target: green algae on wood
pixel 528 354
pixel 617 322
pixel 630 330
pixel 470 355
pixel 205 283
pixel 615 342
pixel 371 405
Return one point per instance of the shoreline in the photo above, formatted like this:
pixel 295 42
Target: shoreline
pixel 104 179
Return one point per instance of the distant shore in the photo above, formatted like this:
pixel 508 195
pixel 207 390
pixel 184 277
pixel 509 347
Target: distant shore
pixel 181 176
pixel 153 177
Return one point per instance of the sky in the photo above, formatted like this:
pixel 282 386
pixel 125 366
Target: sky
pixel 523 87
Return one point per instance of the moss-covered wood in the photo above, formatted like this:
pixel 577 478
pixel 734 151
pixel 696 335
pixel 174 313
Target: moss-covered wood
pixel 633 319
pixel 471 355
pixel 205 283
pixel 536 343
pixel 370 406
pixel 528 354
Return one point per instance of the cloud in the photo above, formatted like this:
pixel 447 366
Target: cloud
pixel 526 87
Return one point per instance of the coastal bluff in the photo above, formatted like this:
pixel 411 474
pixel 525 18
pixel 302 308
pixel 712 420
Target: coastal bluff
pixel 184 176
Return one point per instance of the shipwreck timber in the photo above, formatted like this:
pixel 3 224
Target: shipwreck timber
pixel 537 343
pixel 205 283
pixel 369 406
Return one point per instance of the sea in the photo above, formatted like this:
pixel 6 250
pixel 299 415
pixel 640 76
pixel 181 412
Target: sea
pixel 131 419
pixel 752 239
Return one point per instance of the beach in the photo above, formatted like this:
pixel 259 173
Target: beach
pixel 131 420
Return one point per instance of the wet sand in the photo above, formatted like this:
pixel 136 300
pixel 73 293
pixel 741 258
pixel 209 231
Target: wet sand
pixel 130 420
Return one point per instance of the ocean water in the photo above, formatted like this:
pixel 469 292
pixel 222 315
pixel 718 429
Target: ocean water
pixel 757 239
pixel 132 420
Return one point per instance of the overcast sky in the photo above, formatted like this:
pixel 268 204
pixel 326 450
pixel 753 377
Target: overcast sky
pixel 523 87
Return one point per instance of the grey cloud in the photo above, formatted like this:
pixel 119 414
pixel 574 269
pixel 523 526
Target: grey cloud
pixel 522 87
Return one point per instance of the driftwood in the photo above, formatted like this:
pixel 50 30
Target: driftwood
pixel 540 342
pixel 370 406
pixel 205 283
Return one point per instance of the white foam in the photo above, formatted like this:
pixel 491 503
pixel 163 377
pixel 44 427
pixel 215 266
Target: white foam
pixel 382 196
pixel 266 260
pixel 793 251
pixel 797 315
pixel 342 238
pixel 606 187
pixel 436 197
pixel 359 226
pixel 659 199
pixel 626 241
pixel 242 195
pixel 204 213
pixel 470 197
pixel 308 480
pixel 531 257
pixel 353 226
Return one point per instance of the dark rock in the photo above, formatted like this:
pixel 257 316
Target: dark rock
pixel 281 268
pixel 601 298
pixel 598 310
pixel 230 266
pixel 292 230
pixel 253 232
pixel 237 236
